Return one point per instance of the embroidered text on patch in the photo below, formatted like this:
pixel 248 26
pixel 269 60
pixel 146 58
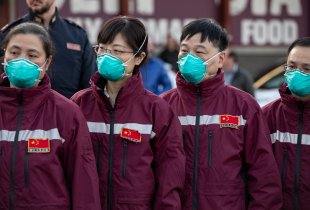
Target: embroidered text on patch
pixel 229 121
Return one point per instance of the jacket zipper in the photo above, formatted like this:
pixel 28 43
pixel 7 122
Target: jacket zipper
pixel 125 159
pixel 99 156
pixel 210 149
pixel 184 140
pixel 19 122
pixel 298 151
pixel 284 165
pixel 112 112
pixel 26 169
pixel 196 148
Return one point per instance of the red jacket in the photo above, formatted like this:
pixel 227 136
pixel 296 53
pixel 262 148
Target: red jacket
pixel 288 120
pixel 33 181
pixel 134 175
pixel 225 137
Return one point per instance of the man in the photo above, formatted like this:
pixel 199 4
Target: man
pixel 235 75
pixel 225 134
pixel 75 60
pixel 288 119
pixel 154 73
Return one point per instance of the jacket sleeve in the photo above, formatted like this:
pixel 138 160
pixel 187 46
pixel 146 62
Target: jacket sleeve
pixel 169 160
pixel 80 167
pixel 263 178
pixel 89 66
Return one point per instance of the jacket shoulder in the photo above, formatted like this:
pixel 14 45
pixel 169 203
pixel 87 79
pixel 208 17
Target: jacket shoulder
pixel 74 24
pixel 168 95
pixel 10 25
pixel 271 107
pixel 82 95
pixel 65 107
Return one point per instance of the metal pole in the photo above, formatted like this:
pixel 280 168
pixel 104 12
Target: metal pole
pixel 124 8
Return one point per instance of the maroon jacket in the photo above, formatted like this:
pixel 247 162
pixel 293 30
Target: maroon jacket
pixel 227 146
pixel 134 175
pixel 33 181
pixel 289 120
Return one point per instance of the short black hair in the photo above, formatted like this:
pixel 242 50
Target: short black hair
pixel 301 42
pixel 131 29
pixel 233 55
pixel 208 29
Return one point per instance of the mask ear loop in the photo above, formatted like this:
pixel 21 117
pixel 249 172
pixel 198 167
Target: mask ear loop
pixel 40 69
pixel 124 64
pixel 206 63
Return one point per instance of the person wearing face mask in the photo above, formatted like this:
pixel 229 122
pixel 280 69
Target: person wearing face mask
pixel 46 156
pixel 229 160
pixel 136 136
pixel 287 118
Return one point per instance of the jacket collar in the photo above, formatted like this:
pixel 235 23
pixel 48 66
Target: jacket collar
pixel 208 88
pixel 33 98
pixel 36 18
pixel 129 93
pixel 290 103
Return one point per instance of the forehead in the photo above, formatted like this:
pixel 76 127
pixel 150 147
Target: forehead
pixel 299 55
pixel 195 41
pixel 26 41
pixel 118 40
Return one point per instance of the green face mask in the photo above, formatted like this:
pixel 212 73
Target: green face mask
pixel 112 68
pixel 298 82
pixel 193 68
pixel 22 73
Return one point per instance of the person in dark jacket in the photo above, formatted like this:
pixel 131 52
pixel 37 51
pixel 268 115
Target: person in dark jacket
pixel 288 119
pixel 46 156
pixel 229 160
pixel 75 60
pixel 136 136
pixel 236 76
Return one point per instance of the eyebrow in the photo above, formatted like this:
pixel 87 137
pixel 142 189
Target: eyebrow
pixel 29 50
pixel 304 64
pixel 197 46
pixel 119 45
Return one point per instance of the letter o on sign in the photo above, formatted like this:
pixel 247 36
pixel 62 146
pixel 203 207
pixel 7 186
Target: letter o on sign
pixel 260 32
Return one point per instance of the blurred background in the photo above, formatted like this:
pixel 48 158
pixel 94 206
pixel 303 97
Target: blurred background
pixel 260 30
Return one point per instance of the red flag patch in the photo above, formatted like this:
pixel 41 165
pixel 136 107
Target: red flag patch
pixel 131 135
pixel 229 121
pixel 38 145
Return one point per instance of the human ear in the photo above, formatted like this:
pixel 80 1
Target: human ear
pixel 222 57
pixel 48 62
pixel 140 58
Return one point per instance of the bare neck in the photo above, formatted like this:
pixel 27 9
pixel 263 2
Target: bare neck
pixel 114 87
pixel 48 15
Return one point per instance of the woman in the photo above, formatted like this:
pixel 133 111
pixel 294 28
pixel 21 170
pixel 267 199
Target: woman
pixel 136 136
pixel 46 158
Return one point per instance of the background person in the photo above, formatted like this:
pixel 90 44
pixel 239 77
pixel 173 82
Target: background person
pixel 236 76
pixel 75 60
pixel 46 156
pixel 287 118
pixel 154 73
pixel 170 53
pixel 228 154
pixel 136 136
